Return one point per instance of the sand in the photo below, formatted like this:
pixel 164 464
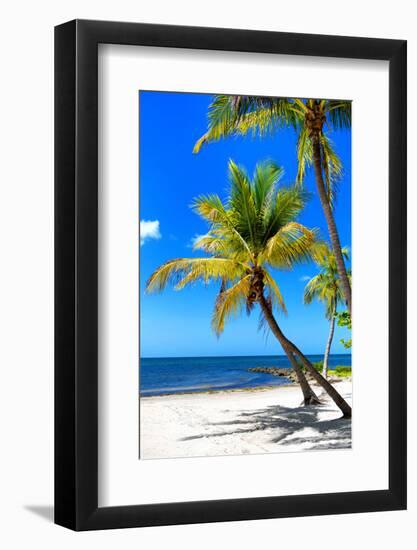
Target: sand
pixel 241 422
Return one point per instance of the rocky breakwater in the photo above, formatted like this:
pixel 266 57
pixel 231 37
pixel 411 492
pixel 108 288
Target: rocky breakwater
pixel 292 377
pixel 276 371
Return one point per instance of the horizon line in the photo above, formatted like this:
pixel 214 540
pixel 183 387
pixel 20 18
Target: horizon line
pixel 215 356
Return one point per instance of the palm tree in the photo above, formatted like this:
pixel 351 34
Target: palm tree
pixel 238 115
pixel 325 287
pixel 250 233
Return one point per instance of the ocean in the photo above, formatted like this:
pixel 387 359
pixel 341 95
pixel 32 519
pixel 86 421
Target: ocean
pixel 169 375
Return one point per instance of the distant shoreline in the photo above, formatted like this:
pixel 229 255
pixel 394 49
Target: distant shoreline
pixel 232 390
pixel 172 376
pixel 208 392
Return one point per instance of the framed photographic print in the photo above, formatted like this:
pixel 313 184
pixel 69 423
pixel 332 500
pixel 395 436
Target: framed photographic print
pixel 230 275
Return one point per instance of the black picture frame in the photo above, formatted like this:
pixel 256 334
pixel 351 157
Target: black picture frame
pixel 76 272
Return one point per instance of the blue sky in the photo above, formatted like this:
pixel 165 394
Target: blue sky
pixel 177 324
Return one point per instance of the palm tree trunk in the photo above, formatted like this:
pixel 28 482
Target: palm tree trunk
pixel 288 345
pixel 329 343
pixel 310 398
pixel 333 393
pixel 331 224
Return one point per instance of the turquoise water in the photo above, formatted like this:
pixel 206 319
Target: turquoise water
pixel 167 375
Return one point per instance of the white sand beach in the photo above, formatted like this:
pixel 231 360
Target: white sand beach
pixel 241 422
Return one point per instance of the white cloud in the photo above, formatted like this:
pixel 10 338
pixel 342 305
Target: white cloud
pixel 305 278
pixel 149 230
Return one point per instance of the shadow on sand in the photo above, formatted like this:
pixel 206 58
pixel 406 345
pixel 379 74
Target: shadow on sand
pixel 288 427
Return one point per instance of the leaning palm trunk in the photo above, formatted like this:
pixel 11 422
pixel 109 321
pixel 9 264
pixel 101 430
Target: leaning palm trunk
pixel 329 343
pixel 333 393
pixel 310 398
pixel 288 345
pixel 331 224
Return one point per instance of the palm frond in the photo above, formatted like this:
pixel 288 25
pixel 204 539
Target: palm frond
pixel 238 115
pixel 242 201
pixel 214 245
pixel 265 121
pixel 183 271
pixel 325 286
pixel 339 113
pixel 221 118
pixel 223 243
pixel 288 203
pixel 229 303
pixel 211 208
pixel 301 105
pixel 258 123
pixel 313 288
pixel 304 154
pixel 274 292
pixel 332 168
pixel 282 111
pixel 205 138
pixel 292 244
pixel 265 179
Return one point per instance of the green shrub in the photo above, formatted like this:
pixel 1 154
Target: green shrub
pixel 318 365
pixel 344 320
pixel 342 371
